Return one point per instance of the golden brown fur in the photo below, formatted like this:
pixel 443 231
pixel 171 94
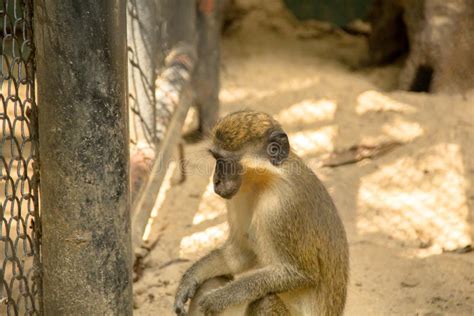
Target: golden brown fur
pixel 285 238
pixel 238 129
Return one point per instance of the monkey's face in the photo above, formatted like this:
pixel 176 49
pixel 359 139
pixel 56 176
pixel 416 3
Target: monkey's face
pixel 227 175
pixel 251 162
pixel 247 146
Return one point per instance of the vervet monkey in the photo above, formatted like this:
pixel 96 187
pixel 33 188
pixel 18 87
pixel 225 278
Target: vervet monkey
pixel 287 252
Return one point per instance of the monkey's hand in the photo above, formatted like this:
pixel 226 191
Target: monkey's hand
pixel 185 292
pixel 252 286
pixel 213 302
pixel 208 267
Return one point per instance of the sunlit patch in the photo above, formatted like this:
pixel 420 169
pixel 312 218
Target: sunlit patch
pixel 211 206
pixel 373 101
pixel 314 142
pixel 403 131
pixel 192 121
pixel 308 111
pixel 418 199
pixel 235 94
pixel 165 187
pixel 204 240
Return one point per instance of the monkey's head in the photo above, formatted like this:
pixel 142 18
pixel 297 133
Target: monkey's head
pixel 245 140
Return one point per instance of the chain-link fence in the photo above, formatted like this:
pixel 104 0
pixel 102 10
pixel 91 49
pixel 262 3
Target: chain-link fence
pixel 85 136
pixel 19 200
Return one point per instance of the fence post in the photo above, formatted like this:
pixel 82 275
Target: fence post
pixel 84 156
pixel 206 77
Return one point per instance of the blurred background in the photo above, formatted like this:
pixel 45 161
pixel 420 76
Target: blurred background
pixel 377 98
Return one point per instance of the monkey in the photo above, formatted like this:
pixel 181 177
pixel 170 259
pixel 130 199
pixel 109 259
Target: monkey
pixel 287 250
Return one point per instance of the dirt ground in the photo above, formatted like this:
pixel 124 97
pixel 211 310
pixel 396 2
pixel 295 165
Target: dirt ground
pixel 408 212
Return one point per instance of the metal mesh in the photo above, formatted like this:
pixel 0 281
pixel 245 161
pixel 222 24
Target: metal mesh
pixel 19 204
pixel 153 100
pixel 161 51
pixel 143 19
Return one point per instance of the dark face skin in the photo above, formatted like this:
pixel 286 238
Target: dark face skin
pixel 227 175
pixel 228 171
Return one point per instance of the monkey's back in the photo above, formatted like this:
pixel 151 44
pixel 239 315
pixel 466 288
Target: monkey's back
pixel 319 241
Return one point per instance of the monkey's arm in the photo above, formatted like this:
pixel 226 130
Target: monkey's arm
pixel 230 259
pixel 252 286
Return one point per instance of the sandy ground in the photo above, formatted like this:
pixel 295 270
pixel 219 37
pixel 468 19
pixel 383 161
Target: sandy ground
pixel 408 213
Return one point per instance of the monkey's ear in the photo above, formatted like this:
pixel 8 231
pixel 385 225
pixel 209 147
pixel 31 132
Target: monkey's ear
pixel 278 147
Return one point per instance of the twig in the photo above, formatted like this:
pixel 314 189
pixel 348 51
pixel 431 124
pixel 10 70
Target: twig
pixel 357 153
pixel 173 261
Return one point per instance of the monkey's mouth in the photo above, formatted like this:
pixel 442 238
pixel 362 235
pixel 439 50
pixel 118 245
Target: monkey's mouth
pixel 226 194
pixel 226 189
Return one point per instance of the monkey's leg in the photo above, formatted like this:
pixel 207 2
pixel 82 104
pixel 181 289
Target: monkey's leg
pixel 254 285
pixel 228 260
pixel 270 305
